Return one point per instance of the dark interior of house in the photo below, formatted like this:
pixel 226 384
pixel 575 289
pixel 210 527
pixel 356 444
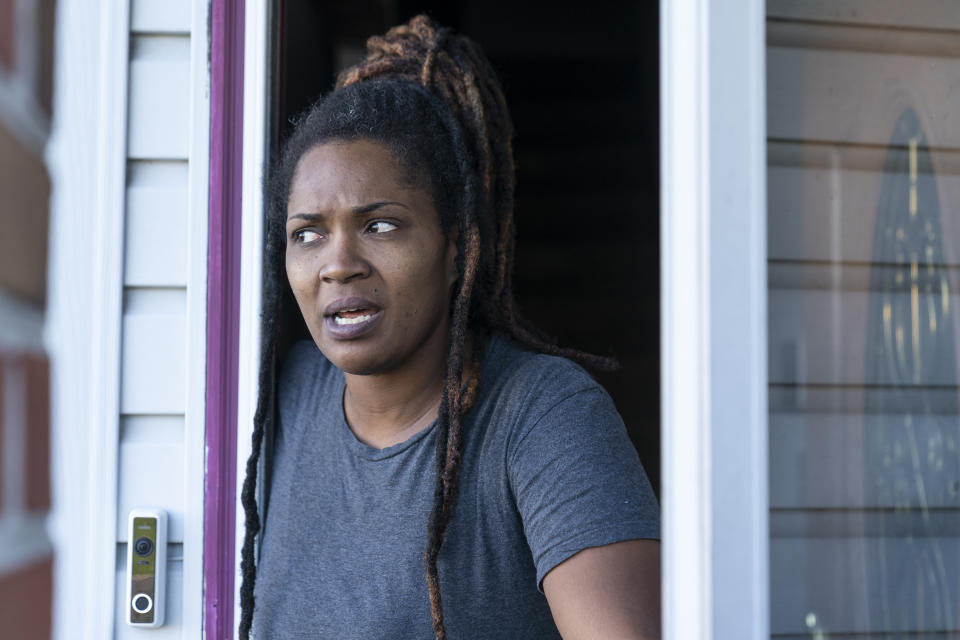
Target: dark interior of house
pixel 581 80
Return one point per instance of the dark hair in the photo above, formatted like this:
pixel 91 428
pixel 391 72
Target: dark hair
pixel 432 98
pixel 383 110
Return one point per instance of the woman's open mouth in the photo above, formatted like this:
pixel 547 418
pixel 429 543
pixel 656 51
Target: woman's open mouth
pixel 350 318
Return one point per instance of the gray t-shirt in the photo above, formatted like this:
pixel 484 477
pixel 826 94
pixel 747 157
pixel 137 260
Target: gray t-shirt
pixel 548 471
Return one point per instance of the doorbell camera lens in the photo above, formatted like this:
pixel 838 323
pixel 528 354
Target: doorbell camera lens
pixel 143 546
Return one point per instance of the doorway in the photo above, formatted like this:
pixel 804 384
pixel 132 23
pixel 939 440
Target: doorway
pixel 583 89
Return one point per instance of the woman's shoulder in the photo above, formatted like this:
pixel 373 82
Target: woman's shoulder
pixel 533 383
pixel 537 405
pixel 515 365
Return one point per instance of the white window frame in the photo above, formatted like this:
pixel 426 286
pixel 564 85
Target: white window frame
pixel 713 320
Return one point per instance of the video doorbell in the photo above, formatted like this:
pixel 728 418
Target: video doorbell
pixel 146 567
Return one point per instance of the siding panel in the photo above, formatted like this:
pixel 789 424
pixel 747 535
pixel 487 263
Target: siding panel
pixel 156 230
pixel 151 474
pixel 131 374
pixel 162 374
pixel 159 98
pixel 152 469
pixel 153 359
pixel 168 16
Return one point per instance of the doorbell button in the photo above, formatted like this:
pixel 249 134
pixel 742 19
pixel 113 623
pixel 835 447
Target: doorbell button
pixel 142 603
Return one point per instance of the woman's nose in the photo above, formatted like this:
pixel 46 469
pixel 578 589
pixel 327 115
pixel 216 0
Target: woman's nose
pixel 343 260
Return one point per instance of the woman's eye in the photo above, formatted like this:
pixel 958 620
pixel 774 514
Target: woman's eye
pixel 305 235
pixel 380 226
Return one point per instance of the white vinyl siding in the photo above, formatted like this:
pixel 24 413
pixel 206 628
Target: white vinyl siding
pixel 141 442
pixel 156 229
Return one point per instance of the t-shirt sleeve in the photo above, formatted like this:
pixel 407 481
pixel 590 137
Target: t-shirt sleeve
pixel 578 481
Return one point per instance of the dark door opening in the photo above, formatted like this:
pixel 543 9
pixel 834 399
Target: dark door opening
pixel 583 88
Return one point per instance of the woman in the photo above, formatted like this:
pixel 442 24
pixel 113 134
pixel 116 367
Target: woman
pixel 426 428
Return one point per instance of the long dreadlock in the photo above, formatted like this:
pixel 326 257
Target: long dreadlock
pixel 434 100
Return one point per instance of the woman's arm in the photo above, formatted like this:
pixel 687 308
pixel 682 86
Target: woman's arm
pixel 610 592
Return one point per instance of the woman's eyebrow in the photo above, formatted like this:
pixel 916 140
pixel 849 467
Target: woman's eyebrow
pixel 309 217
pixel 367 208
pixel 359 210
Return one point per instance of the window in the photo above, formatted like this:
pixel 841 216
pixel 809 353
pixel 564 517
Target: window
pixel 864 270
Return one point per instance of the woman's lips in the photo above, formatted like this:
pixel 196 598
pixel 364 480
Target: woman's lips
pixel 349 318
pixel 346 327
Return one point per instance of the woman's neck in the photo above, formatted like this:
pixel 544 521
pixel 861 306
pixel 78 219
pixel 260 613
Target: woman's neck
pixel 387 408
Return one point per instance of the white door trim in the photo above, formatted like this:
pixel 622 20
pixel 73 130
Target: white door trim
pixel 87 164
pixel 713 315
pixel 256 120
pixel 192 603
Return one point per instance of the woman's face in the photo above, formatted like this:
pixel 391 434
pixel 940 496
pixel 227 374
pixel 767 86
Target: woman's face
pixel 367 260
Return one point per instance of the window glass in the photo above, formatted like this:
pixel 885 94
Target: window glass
pixel 863 148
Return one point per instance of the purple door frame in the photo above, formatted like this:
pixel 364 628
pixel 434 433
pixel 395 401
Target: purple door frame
pixel 223 314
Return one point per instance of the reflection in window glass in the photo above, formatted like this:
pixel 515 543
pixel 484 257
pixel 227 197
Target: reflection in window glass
pixel 863 124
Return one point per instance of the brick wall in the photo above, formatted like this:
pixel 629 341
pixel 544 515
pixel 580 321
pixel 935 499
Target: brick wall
pixel 26 30
pixel 25 601
pixel 25 554
pixel 6 33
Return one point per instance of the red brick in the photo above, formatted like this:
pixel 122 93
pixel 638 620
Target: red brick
pixel 25 602
pixel 46 22
pixel 7 46
pixel 37 371
pixel 24 220
pixel 3 360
